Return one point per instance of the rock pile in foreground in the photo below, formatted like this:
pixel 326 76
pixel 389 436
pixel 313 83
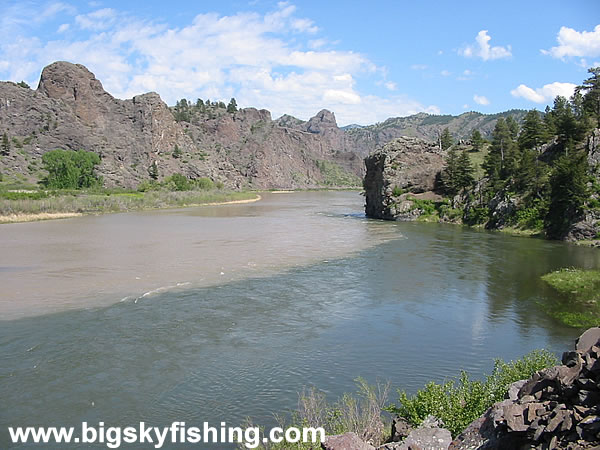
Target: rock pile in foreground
pixel 557 408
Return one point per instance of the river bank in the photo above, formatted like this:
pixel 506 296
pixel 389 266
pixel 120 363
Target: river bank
pixel 36 206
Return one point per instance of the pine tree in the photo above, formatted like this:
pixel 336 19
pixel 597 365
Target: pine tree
pixel 476 140
pixel 232 106
pixel 5 144
pixel 568 193
pixel 533 133
pixel 466 171
pixel 591 94
pixel 446 139
pixel 450 174
pixel 177 153
pixel 495 161
pixel 513 127
pixel 153 170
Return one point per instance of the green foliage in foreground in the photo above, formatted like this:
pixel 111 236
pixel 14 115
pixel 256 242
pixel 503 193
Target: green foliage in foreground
pixel 581 292
pixel 458 402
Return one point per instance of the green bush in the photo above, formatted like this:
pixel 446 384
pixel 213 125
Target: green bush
pixel 476 215
pixel 427 207
pixel 71 169
pixel 178 182
pixel 204 183
pixel 458 402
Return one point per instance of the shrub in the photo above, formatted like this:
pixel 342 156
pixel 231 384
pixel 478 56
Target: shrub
pixel 458 402
pixel 71 169
pixel 178 182
pixel 204 183
pixel 476 215
pixel 359 413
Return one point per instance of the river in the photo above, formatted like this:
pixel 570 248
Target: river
pixel 223 312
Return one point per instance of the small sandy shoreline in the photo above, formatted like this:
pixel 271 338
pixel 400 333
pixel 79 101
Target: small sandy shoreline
pixel 18 218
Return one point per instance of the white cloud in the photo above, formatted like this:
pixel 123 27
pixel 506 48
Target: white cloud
pixel 482 48
pixel 481 100
pixel 304 26
pixel 445 73
pixel 263 60
pixel 545 94
pixel 419 67
pixel 97 20
pixel 575 43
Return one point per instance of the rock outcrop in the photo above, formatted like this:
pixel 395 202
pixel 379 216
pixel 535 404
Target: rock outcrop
pixel 557 408
pixel 403 165
pixel 70 109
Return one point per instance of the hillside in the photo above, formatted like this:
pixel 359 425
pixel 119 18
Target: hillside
pixel 242 148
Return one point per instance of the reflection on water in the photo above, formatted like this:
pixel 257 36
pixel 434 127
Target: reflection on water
pixel 412 303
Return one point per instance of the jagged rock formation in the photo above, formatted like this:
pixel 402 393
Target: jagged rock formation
pixel 70 109
pixel 405 164
pixel 557 408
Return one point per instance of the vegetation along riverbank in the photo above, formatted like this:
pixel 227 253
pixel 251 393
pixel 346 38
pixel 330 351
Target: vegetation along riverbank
pixel 534 402
pixel 537 177
pixel 72 187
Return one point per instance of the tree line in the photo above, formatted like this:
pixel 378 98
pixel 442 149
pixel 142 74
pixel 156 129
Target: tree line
pixel 185 109
pixel 542 162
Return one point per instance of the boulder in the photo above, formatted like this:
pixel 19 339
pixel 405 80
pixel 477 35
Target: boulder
pixel 558 407
pixel 346 441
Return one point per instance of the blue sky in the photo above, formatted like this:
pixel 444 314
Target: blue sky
pixel 366 61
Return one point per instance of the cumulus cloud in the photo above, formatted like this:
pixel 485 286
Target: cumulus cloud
pixel 481 100
pixel 545 94
pixel 482 48
pixel 575 43
pixel 274 60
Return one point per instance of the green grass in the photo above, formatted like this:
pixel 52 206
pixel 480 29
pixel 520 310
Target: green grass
pixel 477 160
pixel 458 402
pixel 107 201
pixel 580 290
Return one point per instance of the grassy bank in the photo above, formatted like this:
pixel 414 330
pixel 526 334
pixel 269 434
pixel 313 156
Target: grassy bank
pixel 580 290
pixel 40 205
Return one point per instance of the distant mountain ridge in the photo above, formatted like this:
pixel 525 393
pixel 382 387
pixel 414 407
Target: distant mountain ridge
pixel 243 149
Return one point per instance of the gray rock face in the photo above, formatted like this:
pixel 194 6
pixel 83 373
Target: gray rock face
pixel 405 164
pixel 70 109
pixel 557 408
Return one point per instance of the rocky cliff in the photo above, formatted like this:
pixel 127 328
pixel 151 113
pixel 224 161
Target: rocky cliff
pixel 404 167
pixel 70 109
